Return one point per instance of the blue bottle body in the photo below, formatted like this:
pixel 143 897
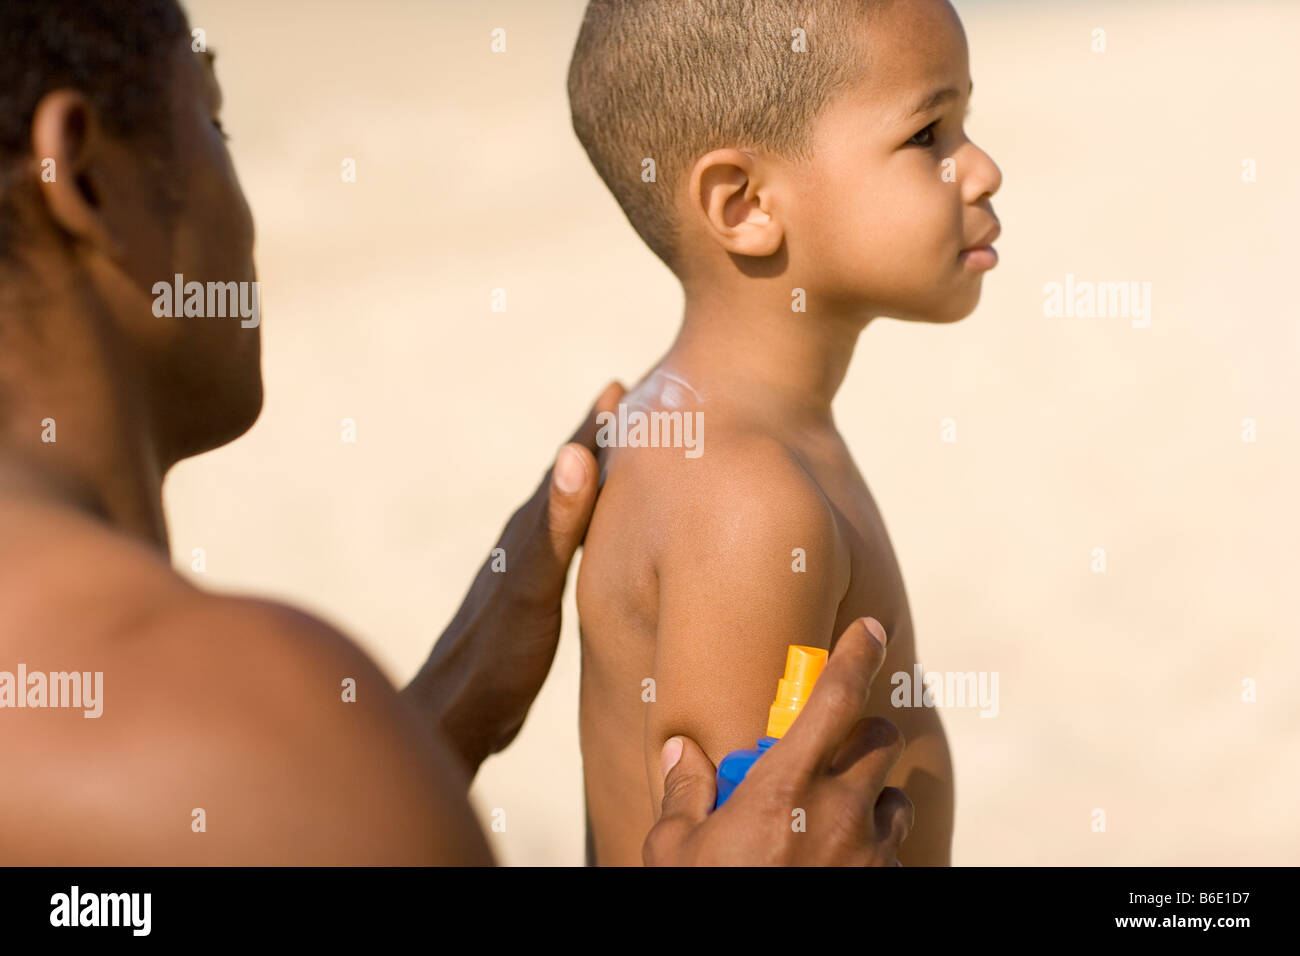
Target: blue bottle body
pixel 735 765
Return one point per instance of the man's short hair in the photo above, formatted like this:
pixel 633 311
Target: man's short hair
pixel 669 80
pixel 115 52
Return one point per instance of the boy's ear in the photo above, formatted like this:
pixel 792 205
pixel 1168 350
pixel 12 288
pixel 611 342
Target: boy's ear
pixel 73 188
pixel 735 206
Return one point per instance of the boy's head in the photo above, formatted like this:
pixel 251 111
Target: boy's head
pixel 815 141
pixel 114 176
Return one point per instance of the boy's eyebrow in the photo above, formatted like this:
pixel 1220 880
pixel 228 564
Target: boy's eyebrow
pixel 937 98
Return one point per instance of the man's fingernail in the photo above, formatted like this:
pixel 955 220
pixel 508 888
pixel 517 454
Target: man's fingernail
pixel 672 753
pixel 570 471
pixel 876 630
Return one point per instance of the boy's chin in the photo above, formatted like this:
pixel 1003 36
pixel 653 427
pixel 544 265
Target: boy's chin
pixel 955 315
pixel 941 313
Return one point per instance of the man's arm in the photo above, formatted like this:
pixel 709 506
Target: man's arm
pixel 489 664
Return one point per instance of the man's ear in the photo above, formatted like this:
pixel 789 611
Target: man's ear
pixel 66 131
pixel 735 206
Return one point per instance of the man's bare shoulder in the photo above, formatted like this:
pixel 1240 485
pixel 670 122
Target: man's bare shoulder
pixel 228 730
pixel 62 571
pixel 72 586
pixel 69 583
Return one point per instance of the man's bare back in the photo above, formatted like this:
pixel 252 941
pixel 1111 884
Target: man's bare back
pixel 692 577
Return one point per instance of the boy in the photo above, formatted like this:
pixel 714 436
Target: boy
pixel 810 173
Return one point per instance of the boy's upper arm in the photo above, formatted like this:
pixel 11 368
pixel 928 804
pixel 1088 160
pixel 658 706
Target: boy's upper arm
pixel 752 564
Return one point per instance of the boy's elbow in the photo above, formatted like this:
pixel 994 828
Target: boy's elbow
pixel 925 774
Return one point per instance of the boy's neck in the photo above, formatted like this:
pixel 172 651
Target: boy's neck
pixel 768 358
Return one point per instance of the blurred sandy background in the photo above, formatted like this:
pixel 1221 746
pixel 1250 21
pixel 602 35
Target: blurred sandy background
pixel 1119 691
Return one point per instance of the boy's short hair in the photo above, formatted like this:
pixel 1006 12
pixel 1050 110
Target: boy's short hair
pixel 670 80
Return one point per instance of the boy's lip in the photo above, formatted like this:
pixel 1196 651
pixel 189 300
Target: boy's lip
pixel 987 239
pixel 982 256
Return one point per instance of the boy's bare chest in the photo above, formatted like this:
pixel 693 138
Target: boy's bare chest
pixel 875 580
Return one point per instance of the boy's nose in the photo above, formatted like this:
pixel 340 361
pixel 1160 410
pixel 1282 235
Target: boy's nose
pixel 983 178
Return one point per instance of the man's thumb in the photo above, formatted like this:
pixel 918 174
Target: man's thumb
pixel 689 781
pixel 572 497
pixel 689 792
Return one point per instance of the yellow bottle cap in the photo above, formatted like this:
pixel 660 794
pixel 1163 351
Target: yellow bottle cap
pixel 803 665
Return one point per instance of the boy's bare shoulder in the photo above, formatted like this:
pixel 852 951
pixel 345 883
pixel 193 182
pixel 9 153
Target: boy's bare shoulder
pixel 745 488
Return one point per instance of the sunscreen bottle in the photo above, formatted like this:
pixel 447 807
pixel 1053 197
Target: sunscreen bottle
pixel 803 665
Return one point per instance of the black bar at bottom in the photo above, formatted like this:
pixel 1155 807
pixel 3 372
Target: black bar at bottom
pixel 982 906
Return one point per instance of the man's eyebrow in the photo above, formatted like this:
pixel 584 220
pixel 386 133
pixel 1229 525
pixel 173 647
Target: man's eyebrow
pixel 210 58
pixel 937 98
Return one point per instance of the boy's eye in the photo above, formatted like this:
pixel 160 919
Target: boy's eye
pixel 221 129
pixel 925 137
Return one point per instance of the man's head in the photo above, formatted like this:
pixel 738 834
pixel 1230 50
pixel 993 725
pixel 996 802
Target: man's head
pixel 114 176
pixel 788 142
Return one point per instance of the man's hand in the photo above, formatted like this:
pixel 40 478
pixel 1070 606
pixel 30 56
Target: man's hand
pixel 818 797
pixel 489 664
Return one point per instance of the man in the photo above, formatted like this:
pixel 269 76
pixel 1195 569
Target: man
pixel 222 736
